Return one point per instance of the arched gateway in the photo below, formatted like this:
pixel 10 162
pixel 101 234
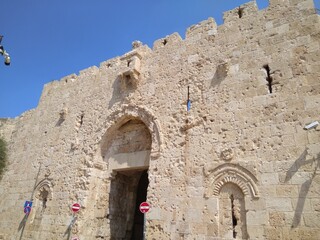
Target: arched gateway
pixel 127 147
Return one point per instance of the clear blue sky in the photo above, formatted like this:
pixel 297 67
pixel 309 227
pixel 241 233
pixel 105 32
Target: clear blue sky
pixel 48 40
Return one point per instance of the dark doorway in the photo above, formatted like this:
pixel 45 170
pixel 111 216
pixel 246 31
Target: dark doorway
pixel 138 224
pixel 128 190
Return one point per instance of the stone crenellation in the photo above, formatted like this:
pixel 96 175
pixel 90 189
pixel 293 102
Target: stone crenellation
pixel 210 130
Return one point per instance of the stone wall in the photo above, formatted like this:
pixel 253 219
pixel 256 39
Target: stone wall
pixel 238 164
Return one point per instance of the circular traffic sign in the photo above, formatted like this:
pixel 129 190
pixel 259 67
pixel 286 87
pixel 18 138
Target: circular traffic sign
pixel 144 207
pixel 75 207
pixel 27 210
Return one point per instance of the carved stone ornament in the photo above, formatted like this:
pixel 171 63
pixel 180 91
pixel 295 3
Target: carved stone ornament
pixel 226 154
pixel 231 173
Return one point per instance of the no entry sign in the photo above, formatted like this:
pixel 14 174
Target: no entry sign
pixel 144 207
pixel 75 207
pixel 27 207
pixel 27 210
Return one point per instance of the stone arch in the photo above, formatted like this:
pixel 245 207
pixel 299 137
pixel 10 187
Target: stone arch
pixel 119 117
pixel 44 192
pixel 231 184
pixel 231 173
pixel 128 146
pixel 132 139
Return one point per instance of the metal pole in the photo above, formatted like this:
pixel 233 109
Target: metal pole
pixel 144 226
pixel 36 182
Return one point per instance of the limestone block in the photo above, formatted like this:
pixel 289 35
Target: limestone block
pixel 193 58
pixel 208 27
pixel 256 232
pixel 243 11
pixel 194 215
pixel 256 218
pixel 301 177
pixel 132 160
pixel 285 166
pixel 255 205
pixel 314 136
pixel 266 167
pixel 277 219
pixel 170 40
pixel 273 233
pixel 270 178
pixel 154 214
pixel 280 204
pixel 310 220
pixel 287 191
pixel 212 229
pixel 183 227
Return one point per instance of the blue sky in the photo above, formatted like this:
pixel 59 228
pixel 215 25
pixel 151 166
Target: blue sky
pixel 48 40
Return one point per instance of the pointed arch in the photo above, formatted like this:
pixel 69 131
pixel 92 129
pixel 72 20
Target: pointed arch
pixel 122 114
pixel 44 186
pixel 231 173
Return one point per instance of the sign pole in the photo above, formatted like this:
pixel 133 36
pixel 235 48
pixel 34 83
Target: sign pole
pixel 144 226
pixel 144 208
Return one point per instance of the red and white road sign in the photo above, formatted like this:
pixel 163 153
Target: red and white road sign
pixel 75 207
pixel 144 207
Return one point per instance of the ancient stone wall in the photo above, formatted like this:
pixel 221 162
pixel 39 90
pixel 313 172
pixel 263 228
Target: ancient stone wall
pixel 238 165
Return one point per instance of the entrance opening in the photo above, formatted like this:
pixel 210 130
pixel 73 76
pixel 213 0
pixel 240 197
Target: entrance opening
pixel 128 190
pixel 127 153
pixel 138 224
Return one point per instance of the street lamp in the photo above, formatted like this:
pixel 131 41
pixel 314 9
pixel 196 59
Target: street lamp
pixel 4 53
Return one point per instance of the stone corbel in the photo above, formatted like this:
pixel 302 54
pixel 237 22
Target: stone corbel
pixel 130 74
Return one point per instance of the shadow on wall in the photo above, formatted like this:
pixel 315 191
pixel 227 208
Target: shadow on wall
pixel 305 186
pixel 25 218
pixel 22 225
pixel 116 93
pixel 122 88
pixel 69 229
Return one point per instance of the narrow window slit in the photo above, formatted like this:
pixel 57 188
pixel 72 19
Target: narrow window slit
pixel 164 42
pixel 44 202
pixel 81 119
pixel 240 12
pixel 188 101
pixel 269 78
pixel 44 197
pixel 234 219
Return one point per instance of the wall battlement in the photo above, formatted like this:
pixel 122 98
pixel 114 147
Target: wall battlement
pixel 249 9
pixel 242 16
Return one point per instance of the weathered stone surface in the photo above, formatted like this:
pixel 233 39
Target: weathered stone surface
pixel 238 165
